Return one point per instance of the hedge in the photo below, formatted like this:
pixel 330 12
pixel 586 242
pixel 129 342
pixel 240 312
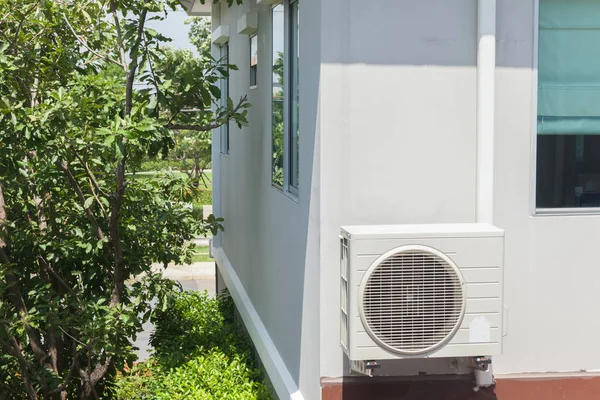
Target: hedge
pixel 161 165
pixel 199 353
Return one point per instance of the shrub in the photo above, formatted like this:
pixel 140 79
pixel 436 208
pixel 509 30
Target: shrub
pixel 158 165
pixel 200 353
pixel 164 164
pixel 204 197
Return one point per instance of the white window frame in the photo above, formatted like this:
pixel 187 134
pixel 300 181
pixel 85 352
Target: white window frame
pixel 291 64
pixel 274 185
pixel 253 85
pixel 224 86
pixel 288 167
pixel 535 211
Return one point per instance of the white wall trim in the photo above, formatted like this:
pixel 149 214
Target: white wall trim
pixel 534 106
pixel 220 35
pixel 280 376
pixel 247 24
pixel 549 375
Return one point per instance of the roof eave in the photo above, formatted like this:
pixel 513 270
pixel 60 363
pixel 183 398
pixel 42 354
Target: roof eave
pixel 196 8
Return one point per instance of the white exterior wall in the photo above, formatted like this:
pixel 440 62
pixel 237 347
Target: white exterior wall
pixel 271 240
pixel 398 116
pixel 388 135
pixel 552 278
pixel 398 123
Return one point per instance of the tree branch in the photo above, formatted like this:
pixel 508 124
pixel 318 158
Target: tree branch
pixel 15 350
pixel 13 287
pixel 208 127
pixel 154 81
pixel 113 9
pixel 93 182
pixel 117 201
pixel 59 278
pixel 90 174
pixel 134 64
pixel 63 386
pixel 73 182
pixel 84 44
pixel 16 38
pixel 24 91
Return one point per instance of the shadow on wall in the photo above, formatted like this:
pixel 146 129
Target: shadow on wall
pixel 432 34
pixel 407 72
pixel 354 388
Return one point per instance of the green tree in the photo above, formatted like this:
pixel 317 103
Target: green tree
pixel 200 32
pixel 74 227
pixel 191 149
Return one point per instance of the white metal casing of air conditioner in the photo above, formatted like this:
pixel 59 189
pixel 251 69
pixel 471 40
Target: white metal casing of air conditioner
pixel 476 252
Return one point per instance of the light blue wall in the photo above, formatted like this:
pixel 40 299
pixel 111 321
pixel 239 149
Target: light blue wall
pixel 388 94
pixel 552 278
pixel 270 239
pixel 398 142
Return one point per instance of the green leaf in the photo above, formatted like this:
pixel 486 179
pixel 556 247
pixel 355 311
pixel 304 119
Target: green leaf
pixel 88 202
pixel 215 91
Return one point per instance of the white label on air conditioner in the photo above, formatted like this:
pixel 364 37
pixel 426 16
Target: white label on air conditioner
pixel 479 330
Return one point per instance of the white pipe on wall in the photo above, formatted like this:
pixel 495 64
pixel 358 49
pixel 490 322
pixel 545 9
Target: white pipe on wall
pixel 486 92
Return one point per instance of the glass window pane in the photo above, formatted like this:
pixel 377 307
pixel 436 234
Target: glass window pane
pixel 568 126
pixel 277 95
pixel 224 97
pixel 568 171
pixel 253 60
pixel 294 96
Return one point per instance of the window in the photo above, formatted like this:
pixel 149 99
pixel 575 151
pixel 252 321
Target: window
pixel 294 104
pixel 224 130
pixel 253 60
pixel 568 122
pixel 278 41
pixel 285 96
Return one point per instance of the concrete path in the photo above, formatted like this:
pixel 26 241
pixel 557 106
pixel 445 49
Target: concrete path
pixel 195 271
pixel 194 277
pixel 201 241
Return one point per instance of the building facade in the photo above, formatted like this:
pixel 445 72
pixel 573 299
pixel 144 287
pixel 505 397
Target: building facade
pixel 412 112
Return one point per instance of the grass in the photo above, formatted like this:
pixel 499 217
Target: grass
pixel 149 174
pixel 201 254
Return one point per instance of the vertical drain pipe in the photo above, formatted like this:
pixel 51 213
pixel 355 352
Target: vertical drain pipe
pixel 486 92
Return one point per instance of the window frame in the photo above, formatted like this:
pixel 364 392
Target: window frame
pixel 291 132
pixel 253 69
pixel 224 87
pixel 534 210
pixel 274 184
pixel 290 90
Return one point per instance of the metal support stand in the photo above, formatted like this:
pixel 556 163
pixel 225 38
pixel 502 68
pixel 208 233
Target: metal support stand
pixel 484 376
pixel 364 367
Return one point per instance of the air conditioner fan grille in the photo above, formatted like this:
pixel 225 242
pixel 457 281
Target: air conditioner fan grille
pixel 413 301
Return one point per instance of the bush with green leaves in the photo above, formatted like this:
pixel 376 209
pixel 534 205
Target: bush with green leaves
pixel 158 165
pixel 200 353
pixel 204 197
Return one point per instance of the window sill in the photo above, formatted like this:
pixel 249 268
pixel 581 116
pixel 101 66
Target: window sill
pixel 290 196
pixel 566 212
pixel 293 197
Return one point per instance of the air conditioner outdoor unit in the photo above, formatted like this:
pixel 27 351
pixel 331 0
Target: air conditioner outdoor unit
pixel 415 291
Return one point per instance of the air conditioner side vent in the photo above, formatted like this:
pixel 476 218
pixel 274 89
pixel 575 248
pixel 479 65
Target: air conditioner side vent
pixel 344 292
